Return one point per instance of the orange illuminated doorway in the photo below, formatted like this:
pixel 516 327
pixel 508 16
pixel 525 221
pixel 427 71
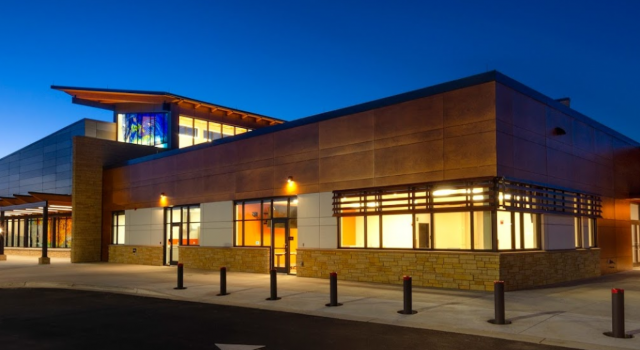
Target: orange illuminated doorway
pixel 173 241
pixel 284 245
pixel 635 244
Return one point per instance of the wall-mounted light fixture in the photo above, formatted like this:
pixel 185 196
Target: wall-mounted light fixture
pixel 163 196
pixel 559 131
pixel 290 179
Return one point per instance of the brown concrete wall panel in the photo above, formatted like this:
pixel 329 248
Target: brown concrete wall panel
pixel 408 159
pixel 471 128
pixel 504 151
pixel 607 240
pixel 409 117
pixel 410 178
pixel 188 162
pixel 255 180
pixel 219 183
pixel 265 163
pixel 254 149
pixel 409 139
pixel 530 157
pixel 583 136
pixel 297 140
pixel 560 165
pixel 470 151
pixel 354 166
pixel 347 130
pixel 603 144
pixel 470 105
pixel 294 158
pixel 254 194
pixel 346 185
pixel 504 104
pixel 479 171
pixel 348 149
pixel 529 114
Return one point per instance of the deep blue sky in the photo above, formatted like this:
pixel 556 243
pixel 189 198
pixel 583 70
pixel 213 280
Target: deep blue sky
pixel 291 59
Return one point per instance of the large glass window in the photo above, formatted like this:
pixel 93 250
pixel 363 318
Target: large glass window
pixel 149 129
pixel 187 218
pixel 27 232
pixel 517 230
pixel 585 232
pixel 118 227
pixel 193 131
pixel 253 220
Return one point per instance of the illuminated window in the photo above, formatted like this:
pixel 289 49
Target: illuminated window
pixel 149 129
pixel 118 227
pixel 253 220
pixel 185 132
pixel 194 131
pixel 187 221
pixel 585 232
pixel 517 230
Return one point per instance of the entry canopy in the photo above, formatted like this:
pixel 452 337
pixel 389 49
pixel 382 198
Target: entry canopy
pixel 34 203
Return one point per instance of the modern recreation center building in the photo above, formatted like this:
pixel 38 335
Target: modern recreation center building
pixel 457 185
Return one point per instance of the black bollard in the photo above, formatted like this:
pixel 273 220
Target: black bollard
pixel 498 298
pixel 406 284
pixel 180 277
pixel 333 290
pixel 274 286
pixel 617 315
pixel 223 281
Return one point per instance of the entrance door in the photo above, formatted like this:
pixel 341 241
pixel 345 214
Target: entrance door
pixel 283 247
pixel 635 244
pixel 173 242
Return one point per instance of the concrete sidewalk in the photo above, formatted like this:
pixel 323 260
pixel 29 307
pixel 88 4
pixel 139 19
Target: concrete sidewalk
pixel 573 315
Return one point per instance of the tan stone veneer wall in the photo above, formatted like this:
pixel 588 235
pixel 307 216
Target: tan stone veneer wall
pixel 522 270
pixel 90 156
pixel 52 253
pixel 455 270
pixel 143 255
pixel 235 259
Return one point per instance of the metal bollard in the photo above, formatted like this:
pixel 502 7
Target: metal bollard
pixel 333 290
pixel 223 281
pixel 274 286
pixel 180 277
pixel 617 315
pixel 498 298
pixel 406 284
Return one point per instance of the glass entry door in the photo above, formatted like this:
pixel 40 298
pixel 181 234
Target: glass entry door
pixel 283 246
pixel 173 242
pixel 635 244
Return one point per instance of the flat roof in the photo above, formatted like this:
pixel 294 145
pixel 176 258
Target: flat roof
pixel 111 97
pixel 397 99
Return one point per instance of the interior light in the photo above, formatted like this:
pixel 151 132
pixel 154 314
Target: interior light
pixel 372 204
pixel 478 197
pixel 295 201
pixel 443 192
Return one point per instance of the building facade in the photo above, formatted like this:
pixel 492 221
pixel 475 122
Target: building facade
pixel 457 185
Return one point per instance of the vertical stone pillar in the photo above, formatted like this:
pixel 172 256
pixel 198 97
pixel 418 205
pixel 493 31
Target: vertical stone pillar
pixel 3 257
pixel 44 259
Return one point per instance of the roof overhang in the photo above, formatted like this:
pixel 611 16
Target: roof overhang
pixel 34 204
pixel 109 98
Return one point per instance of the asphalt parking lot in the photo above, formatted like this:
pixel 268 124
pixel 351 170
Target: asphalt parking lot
pixel 71 319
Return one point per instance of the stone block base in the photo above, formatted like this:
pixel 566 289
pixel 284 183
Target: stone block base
pixel 237 259
pixel 454 270
pixel 137 255
pixel 3 257
pixel 44 260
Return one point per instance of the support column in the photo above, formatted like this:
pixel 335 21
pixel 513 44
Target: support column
pixel 44 259
pixel 3 257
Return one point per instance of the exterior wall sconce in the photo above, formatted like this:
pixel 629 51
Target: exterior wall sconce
pixel 290 179
pixel 163 196
pixel 558 131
